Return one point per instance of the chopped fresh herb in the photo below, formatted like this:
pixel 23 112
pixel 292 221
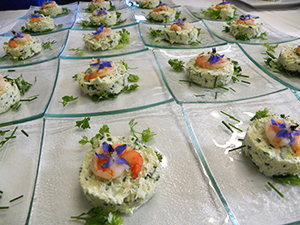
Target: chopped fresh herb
pixel 227 126
pixel 290 179
pixel 84 124
pixel 66 99
pixel 159 156
pixel 84 140
pixel 77 51
pixel 199 32
pixel 23 85
pixel 235 127
pixel 4 207
pixel 262 36
pixel 231 117
pixel 270 48
pixel 133 78
pixel 275 189
pixel 11 70
pixel 231 150
pixel 16 106
pixel 260 114
pixel 12 200
pixel 104 96
pixel 75 77
pixel 177 15
pixel 3 132
pixel 176 64
pixel 125 38
pixel 130 88
pixel 146 134
pixel 25 133
pixel 155 33
pixel 85 23
pixel 125 64
pixel 242 37
pixel 104 130
pixel 6 139
pixel 99 216
pixel 214 14
pixel 47 45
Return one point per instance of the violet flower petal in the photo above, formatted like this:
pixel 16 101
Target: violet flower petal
pixel 108 163
pixel 105 147
pixel 120 160
pixel 101 156
pixel 120 149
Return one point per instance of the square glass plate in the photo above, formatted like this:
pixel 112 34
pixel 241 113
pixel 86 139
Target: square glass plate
pixel 126 14
pixel 42 77
pixel 257 55
pixel 151 90
pixel 182 91
pixel 61 23
pixel 184 195
pixel 72 6
pixel 276 3
pixel 119 4
pixel 205 37
pixel 59 38
pixel 133 3
pixel 141 15
pixel 19 160
pixel 273 35
pixel 198 12
pixel 245 189
pixel 75 41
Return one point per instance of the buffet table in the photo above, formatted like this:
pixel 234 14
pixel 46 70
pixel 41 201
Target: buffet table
pixel 201 181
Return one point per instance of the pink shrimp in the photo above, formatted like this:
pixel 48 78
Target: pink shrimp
pixel 298 50
pixel 274 130
pixel 103 33
pixel 48 4
pixel 246 20
pixel 99 12
pixel 19 39
pixel 2 83
pixel 100 68
pixel 179 24
pixel 110 161
pixel 161 7
pixel 211 61
pixel 223 5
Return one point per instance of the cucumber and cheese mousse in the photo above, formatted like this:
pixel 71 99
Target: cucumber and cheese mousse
pixel 273 145
pixel 103 77
pixel 148 4
pixel 97 4
pixel 103 39
pixel 9 94
pixel 210 70
pixel 245 25
pixel 120 175
pixel 222 11
pixel 39 23
pixel 103 17
pixel 289 58
pixel 181 32
pixel 22 46
pixel 162 13
pixel 50 8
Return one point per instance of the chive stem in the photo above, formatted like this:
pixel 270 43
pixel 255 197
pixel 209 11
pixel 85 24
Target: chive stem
pixel 14 199
pixel 231 117
pixel 235 127
pixel 4 207
pixel 228 127
pixel 232 89
pixel 240 75
pixel 246 82
pixel 240 139
pixel 199 95
pixel 25 133
pixel 216 95
pixel 215 82
pixel 237 148
pixel 275 189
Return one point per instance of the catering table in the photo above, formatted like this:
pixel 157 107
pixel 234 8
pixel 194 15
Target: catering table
pixel 202 181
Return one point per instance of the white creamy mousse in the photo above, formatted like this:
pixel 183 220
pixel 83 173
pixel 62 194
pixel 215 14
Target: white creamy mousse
pixel 50 8
pixel 123 193
pixel 148 4
pixel 245 26
pixel 103 17
pixel 9 94
pixel 96 4
pixel 289 59
pixel 39 23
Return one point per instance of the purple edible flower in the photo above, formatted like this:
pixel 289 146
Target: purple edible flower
pixel 36 15
pixel 112 155
pixel 179 22
pixel 102 64
pixel 102 11
pixel 245 17
pixel 214 58
pixel 161 4
pixel 17 35
pixel 286 131
pixel 224 3
pixel 98 30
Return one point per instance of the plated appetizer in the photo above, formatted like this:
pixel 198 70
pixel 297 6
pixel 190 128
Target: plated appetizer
pixel 162 13
pixel 119 173
pixel 148 4
pixel 22 46
pixel 103 39
pixel 9 94
pixel 97 4
pixel 223 11
pixel 181 32
pixel 245 28
pixel 102 17
pixel 289 58
pixel 50 8
pixel 273 145
pixel 39 23
pixel 210 70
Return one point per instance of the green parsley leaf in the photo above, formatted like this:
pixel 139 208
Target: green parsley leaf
pixel 84 124
pixel 176 64
pixel 104 130
pixel 177 15
pixel 242 37
pixel 84 140
pixel 159 156
pixel 260 114
pixel 23 85
pixel 290 179
pixel 77 51
pixel 146 134
pixel 270 48
pixel 125 38
pixel 130 88
pixel 155 33
pixel 47 45
pixel 133 78
pixel 66 99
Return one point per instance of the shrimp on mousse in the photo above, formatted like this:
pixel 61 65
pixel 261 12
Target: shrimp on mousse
pixel 50 8
pixel 102 17
pixel 100 68
pixel 210 70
